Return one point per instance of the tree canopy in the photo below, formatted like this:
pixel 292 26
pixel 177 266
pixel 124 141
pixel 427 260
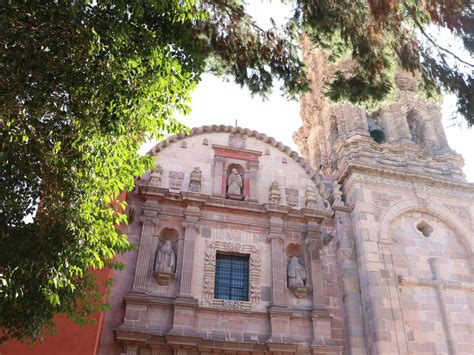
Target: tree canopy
pixel 84 83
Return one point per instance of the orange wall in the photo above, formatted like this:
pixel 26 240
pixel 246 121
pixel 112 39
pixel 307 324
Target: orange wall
pixel 69 339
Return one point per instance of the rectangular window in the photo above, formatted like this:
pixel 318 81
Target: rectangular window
pixel 232 277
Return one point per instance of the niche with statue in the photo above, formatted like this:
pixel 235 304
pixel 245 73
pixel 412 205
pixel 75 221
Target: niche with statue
pixel 235 182
pixel 164 269
pixel 296 271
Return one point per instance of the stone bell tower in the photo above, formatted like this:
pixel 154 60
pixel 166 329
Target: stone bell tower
pixel 405 223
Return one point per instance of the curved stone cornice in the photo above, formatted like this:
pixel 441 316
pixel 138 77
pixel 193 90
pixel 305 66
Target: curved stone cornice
pixel 313 174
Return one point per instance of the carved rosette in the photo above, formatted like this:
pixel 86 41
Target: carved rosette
pixel 255 275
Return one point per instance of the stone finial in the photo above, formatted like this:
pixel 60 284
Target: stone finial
pixel 195 180
pixel 155 176
pixel 176 180
pixel 275 194
pixel 337 194
pixel 311 198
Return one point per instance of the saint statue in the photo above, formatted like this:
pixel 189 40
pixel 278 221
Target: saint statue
pixel 166 259
pixel 296 273
pixel 234 183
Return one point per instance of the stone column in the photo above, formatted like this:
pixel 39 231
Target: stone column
pixel 179 263
pixel 253 168
pixel 190 225
pixel 354 322
pixel 185 304
pixel 314 267
pixel 279 315
pixel 149 220
pixel 322 337
pixel 218 175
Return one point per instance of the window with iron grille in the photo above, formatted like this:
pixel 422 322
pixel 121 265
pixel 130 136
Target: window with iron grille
pixel 232 277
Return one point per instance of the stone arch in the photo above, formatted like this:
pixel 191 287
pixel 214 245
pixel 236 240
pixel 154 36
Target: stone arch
pixel 443 214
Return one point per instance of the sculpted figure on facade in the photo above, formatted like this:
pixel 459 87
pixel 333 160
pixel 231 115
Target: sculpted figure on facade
pixel 234 183
pixel 166 260
pixel 195 180
pixel 275 193
pixel 296 273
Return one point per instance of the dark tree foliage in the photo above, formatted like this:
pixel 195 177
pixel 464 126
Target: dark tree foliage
pixel 84 83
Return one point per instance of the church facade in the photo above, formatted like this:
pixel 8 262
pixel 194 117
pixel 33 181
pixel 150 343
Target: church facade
pixel 364 246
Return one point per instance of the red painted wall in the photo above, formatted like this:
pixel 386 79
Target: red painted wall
pixel 70 338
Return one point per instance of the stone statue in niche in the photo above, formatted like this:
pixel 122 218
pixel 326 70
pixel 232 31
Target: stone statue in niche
pixel 155 176
pixel 234 183
pixel 275 194
pixel 166 259
pixel 297 278
pixel 165 264
pixel 195 180
pixel 296 273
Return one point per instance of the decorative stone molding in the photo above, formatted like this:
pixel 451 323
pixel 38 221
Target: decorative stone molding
pixel 382 202
pixel 255 275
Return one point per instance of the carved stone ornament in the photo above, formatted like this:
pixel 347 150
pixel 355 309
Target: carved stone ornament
pixel 311 199
pixel 155 176
pixel 176 180
pixel 275 194
pixel 255 275
pixel 237 141
pixel 292 197
pixel 195 180
pixel 337 194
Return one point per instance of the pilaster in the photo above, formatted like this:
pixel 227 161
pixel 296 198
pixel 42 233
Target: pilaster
pixel 218 175
pixel 149 220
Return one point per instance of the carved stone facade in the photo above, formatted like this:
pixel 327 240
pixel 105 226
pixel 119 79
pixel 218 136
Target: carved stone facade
pixel 386 269
pixel 404 231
